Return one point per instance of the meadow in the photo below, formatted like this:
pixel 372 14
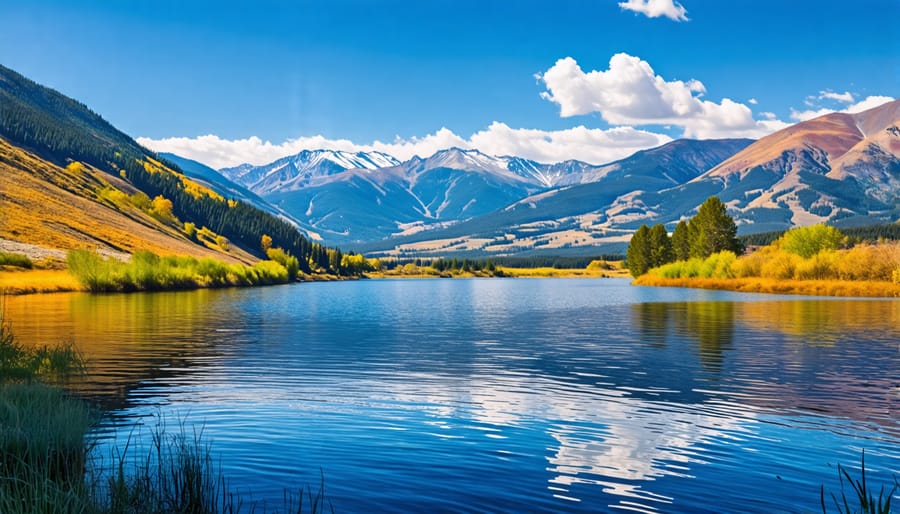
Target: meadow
pixel 786 266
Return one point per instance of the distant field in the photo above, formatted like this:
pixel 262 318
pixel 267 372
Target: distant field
pixel 564 273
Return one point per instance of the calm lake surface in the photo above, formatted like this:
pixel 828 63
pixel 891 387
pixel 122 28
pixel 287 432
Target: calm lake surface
pixel 500 395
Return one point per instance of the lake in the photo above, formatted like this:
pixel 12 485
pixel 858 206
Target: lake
pixel 500 395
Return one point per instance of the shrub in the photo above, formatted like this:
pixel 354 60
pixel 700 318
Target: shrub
pixel 808 241
pixel 718 265
pixel 16 260
pixel 290 263
pixel 96 273
pixel 148 271
pixel 821 266
pixel 870 262
pixel 779 265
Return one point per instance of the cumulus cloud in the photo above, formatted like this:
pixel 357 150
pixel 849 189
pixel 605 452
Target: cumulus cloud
pixel 656 8
pixel 753 101
pixel 595 146
pixel 631 93
pixel 846 97
pixel 865 104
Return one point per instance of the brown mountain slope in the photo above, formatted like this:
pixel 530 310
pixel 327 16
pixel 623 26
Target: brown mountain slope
pixel 874 162
pixel 826 138
pixel 839 168
pixel 53 207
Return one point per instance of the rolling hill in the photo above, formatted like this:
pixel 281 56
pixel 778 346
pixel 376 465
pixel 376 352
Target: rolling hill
pixel 70 179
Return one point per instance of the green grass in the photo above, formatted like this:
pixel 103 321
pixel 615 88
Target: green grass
pixel 42 444
pixel 15 260
pixel 150 272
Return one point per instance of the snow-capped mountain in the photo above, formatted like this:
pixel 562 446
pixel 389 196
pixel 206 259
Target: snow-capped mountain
pixel 839 168
pixel 296 171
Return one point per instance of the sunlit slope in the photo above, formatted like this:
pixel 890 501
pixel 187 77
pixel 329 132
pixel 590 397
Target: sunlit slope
pixel 46 205
pixel 167 210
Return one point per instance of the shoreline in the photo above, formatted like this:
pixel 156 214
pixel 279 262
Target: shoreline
pixel 834 288
pixel 26 282
pixel 16 282
pixel 21 282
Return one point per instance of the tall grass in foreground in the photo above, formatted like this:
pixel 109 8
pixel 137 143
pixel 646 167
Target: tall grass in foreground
pixel 21 364
pixel 865 496
pixel 42 450
pixel 47 465
pixel 148 272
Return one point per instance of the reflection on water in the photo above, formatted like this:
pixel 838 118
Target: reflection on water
pixel 710 324
pixel 521 396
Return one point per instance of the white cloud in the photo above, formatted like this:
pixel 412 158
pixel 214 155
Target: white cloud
pixel 846 97
pixel 752 101
pixel 869 103
pixel 862 105
pixel 630 93
pixel 656 8
pixel 595 146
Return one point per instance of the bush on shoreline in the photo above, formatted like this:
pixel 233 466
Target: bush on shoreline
pixel 786 259
pixel 15 260
pixel 150 272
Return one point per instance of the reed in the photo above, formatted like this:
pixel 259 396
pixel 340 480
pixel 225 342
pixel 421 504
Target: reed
pixel 865 495
pixel 47 465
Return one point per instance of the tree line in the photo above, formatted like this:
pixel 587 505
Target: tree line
pixel 711 231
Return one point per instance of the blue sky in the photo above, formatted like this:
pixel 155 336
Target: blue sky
pixel 229 82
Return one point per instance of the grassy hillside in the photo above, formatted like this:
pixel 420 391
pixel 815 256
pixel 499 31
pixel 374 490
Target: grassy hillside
pixel 70 152
pixel 47 205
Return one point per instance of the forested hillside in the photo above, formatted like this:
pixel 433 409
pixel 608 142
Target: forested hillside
pixel 63 131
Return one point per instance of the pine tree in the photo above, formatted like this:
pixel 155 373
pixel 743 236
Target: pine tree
pixel 714 230
pixel 638 252
pixel 660 247
pixel 681 242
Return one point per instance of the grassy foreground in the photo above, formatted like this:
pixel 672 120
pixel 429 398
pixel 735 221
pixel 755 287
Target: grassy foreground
pixel 47 465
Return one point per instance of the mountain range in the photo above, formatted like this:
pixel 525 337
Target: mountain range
pixel 68 178
pixel 842 169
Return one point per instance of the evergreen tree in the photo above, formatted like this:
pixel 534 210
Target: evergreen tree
pixel 660 247
pixel 681 242
pixel 638 252
pixel 714 230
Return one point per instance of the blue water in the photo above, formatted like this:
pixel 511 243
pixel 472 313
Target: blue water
pixel 501 395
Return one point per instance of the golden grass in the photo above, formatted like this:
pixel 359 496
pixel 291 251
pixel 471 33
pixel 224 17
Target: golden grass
pixel 850 288
pixel 43 204
pixel 562 272
pixel 37 281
